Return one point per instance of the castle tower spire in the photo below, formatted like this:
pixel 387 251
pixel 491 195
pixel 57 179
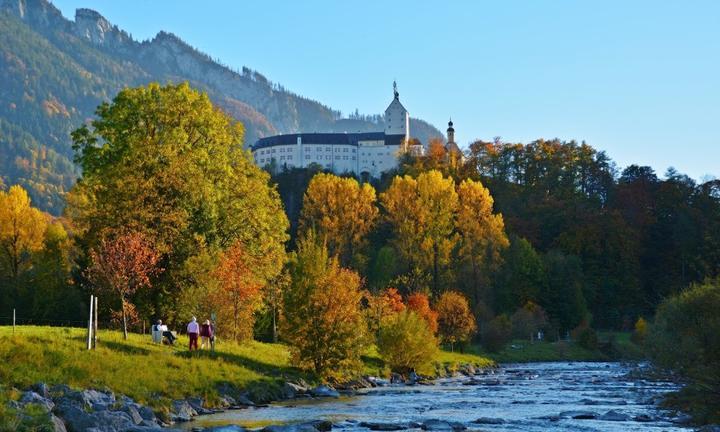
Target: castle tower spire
pixel 450 132
pixel 395 92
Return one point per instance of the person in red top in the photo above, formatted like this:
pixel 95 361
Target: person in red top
pixel 193 329
pixel 207 333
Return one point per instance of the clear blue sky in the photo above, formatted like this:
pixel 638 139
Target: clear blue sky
pixel 638 79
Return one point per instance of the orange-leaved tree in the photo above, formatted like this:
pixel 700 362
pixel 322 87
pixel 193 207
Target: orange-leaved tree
pixel 123 263
pixel 455 319
pixel 239 291
pixel 322 320
pixel 419 303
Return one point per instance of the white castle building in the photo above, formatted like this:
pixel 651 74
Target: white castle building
pixel 362 153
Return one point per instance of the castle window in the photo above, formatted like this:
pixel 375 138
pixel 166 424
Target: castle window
pixel 328 157
pixel 307 156
pixel 353 150
pixel 353 158
pixel 337 157
pixel 345 150
pixel 345 158
pixel 328 149
pixel 307 149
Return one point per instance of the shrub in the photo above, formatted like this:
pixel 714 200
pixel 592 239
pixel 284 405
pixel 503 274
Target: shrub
pixel 455 321
pixel 405 342
pixel 640 332
pixel 685 337
pixel 587 338
pixel 497 333
pixel 420 304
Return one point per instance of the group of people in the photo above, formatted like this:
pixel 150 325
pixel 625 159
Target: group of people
pixel 195 330
pixel 205 331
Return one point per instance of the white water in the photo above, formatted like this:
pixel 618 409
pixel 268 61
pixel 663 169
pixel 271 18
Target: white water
pixel 525 393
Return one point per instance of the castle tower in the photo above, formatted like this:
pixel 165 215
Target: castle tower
pixel 453 150
pixel 397 119
pixel 450 133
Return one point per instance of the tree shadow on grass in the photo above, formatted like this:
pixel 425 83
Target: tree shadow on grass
pixel 270 370
pixel 121 347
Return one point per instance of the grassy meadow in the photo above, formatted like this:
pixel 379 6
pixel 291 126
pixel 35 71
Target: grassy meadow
pixel 156 374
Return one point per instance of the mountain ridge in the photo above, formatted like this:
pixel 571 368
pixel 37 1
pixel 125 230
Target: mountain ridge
pixel 57 71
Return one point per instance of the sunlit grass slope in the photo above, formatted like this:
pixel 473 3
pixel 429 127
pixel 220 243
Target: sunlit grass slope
pixel 156 374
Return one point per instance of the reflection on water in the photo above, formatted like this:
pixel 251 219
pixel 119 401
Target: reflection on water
pixel 527 397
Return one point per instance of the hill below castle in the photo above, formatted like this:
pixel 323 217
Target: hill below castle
pixel 56 71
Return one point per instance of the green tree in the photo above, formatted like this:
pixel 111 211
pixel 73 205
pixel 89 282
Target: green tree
pixel 563 297
pixel 521 278
pixel 406 342
pixel 164 161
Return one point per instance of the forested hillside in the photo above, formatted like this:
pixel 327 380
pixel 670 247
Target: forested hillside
pixel 55 72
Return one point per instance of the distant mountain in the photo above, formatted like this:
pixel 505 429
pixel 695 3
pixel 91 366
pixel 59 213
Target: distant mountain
pixel 54 72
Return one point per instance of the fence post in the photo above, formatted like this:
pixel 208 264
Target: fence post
pixel 95 327
pixel 90 323
pixel 13 321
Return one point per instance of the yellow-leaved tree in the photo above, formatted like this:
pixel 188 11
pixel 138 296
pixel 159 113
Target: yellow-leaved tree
pixel 482 235
pixel 22 231
pixel 341 211
pixel 322 319
pixel 421 212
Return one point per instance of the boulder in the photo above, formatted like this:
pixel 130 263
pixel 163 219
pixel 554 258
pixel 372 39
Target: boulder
pixel 643 418
pixel 324 391
pixel 133 412
pixel 489 421
pixel 232 428
pixel 441 425
pixel 102 421
pixel 57 424
pixel 197 404
pixel 182 411
pixel 613 415
pixel 42 389
pixel 385 426
pixel 299 427
pixel 30 397
pixel 579 415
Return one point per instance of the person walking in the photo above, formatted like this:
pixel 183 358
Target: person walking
pixel 207 335
pixel 193 330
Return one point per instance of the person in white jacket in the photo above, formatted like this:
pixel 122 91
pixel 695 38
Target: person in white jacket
pixel 193 331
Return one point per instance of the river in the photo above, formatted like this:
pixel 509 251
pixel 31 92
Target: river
pixel 524 397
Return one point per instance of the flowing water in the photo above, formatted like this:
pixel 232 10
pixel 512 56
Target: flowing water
pixel 527 397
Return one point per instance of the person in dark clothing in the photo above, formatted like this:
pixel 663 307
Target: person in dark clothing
pixel 165 332
pixel 207 334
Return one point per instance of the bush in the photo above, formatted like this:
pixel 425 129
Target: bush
pixel 406 342
pixel 685 337
pixel 588 339
pixel 497 333
pixel 640 332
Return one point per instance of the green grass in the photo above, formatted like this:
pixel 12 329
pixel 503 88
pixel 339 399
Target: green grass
pixel 523 351
pixel 151 374
pixel 156 374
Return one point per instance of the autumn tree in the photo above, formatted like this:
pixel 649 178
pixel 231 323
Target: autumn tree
pixel 482 236
pixel 122 264
pixel 322 320
pixel 406 342
pixel 341 211
pixel 22 230
pixel 164 161
pixel 380 306
pixel 239 292
pixel 422 215
pixel 456 322
pixel 420 304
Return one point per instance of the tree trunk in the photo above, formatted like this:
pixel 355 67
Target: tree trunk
pixel 274 324
pixel 124 317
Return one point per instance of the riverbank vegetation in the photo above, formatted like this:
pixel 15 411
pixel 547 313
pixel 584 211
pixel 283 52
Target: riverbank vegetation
pixel 685 338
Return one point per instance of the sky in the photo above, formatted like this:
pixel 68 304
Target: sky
pixel 639 80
